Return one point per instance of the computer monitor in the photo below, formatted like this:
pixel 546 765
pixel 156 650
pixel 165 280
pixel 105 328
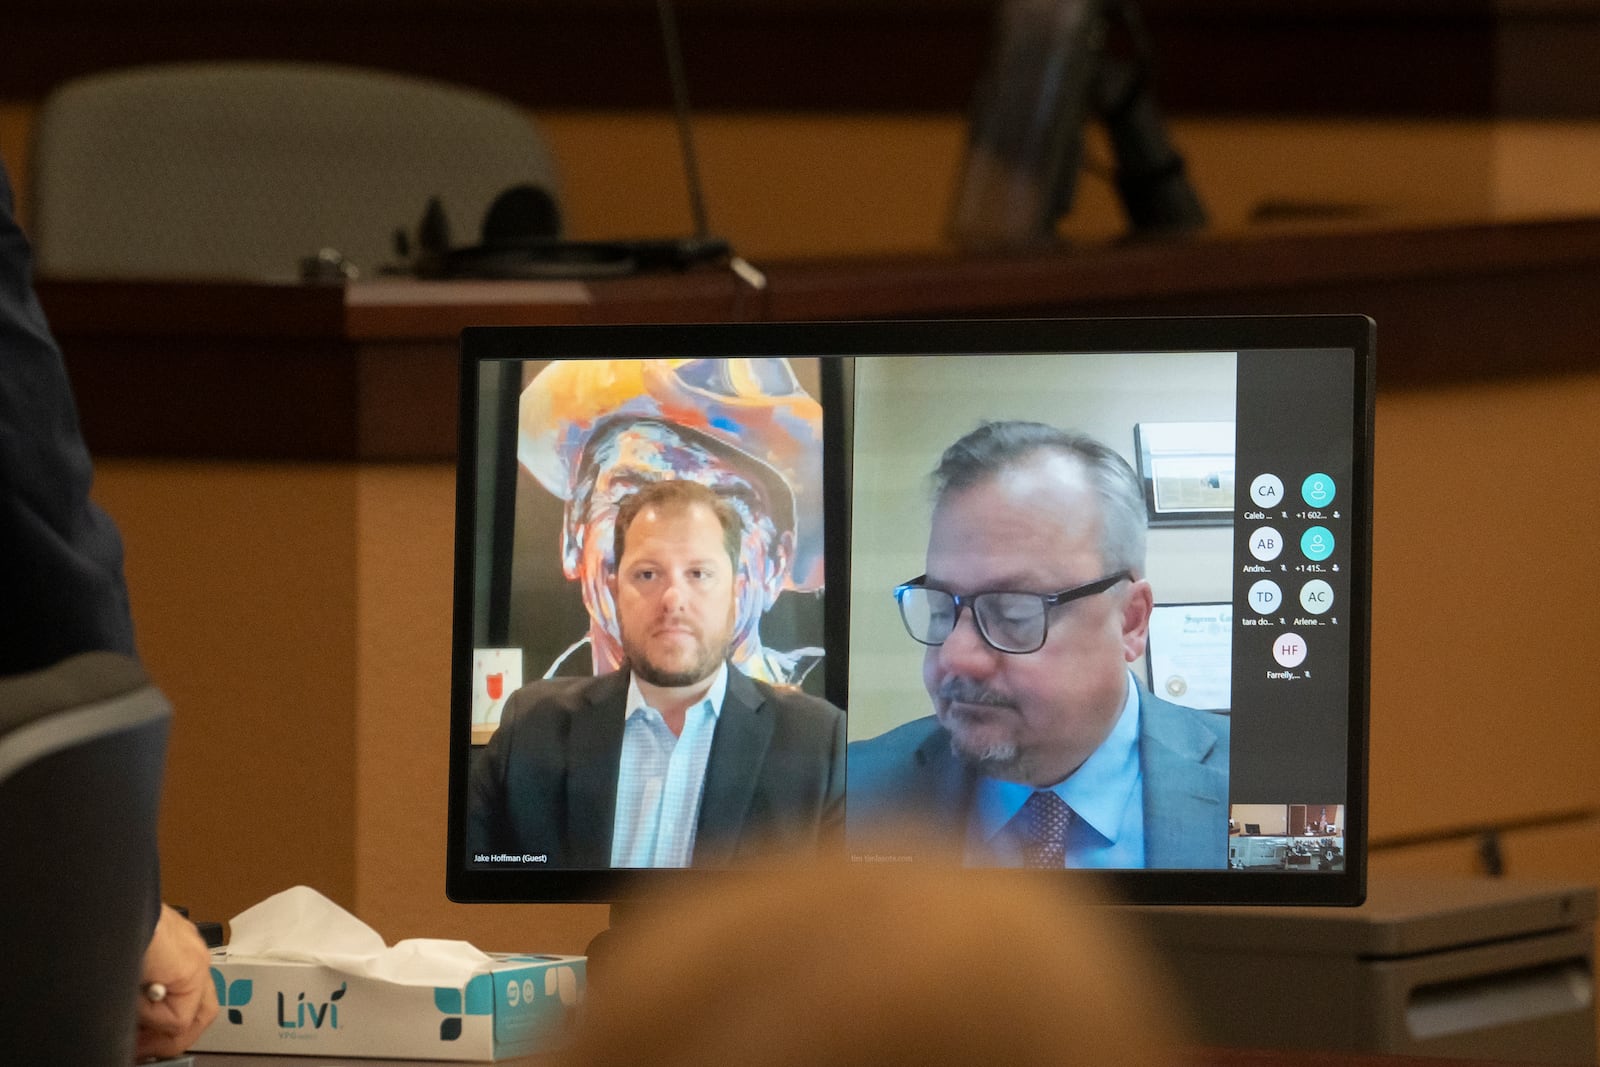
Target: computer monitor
pixel 1226 679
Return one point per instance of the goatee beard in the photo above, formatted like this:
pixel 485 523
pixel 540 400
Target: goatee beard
pixel 996 759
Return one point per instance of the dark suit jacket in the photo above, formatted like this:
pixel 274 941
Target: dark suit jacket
pixel 546 784
pixel 61 587
pixel 909 773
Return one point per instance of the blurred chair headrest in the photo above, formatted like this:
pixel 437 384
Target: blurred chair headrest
pixel 245 169
pixel 82 750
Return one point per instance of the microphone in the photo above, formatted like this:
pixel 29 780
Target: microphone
pixel 680 110
pixel 520 234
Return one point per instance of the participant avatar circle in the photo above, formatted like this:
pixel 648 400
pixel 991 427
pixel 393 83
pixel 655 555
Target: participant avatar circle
pixel 1265 543
pixel 1317 543
pixel 1316 596
pixel 1267 490
pixel 1317 490
pixel 1289 650
pixel 1265 596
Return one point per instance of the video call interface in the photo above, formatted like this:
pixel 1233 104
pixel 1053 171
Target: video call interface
pixel 1125 631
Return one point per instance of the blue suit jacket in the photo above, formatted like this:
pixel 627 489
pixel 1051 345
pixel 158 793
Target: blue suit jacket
pixel 909 776
pixel 546 783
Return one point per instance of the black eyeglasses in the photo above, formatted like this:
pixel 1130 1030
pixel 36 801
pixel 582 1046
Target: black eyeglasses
pixel 1008 622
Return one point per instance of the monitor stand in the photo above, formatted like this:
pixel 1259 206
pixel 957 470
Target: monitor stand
pixel 604 945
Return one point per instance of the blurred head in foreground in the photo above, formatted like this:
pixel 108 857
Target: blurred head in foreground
pixel 877 965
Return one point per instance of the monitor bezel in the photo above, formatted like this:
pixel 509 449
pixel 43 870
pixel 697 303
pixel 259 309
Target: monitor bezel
pixel 480 345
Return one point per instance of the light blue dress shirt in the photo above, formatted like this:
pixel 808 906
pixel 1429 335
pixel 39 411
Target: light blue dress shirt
pixel 1105 793
pixel 661 779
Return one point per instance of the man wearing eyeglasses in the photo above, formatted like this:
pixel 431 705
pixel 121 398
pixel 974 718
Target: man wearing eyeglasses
pixel 1042 750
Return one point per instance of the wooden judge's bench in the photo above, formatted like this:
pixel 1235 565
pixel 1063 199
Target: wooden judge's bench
pixel 280 460
pixel 366 370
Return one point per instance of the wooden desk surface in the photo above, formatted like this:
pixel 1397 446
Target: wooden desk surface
pixel 368 371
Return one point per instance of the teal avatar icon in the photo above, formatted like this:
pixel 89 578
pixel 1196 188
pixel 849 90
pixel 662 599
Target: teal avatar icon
pixel 1317 491
pixel 1317 543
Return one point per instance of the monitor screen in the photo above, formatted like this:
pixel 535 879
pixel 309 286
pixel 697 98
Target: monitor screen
pixel 1002 594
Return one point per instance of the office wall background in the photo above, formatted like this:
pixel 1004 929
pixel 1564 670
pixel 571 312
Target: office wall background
pixel 909 411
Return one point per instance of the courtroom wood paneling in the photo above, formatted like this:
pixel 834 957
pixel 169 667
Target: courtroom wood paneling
pixel 1486 597
pixel 332 373
pixel 1315 57
pixel 271 372
pixel 1454 304
pixel 242 579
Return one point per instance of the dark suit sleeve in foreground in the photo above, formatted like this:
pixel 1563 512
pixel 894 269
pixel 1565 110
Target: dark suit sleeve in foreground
pixel 61 585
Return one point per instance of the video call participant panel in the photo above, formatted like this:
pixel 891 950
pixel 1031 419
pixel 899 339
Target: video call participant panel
pixel 577 670
pixel 1028 485
pixel 955 734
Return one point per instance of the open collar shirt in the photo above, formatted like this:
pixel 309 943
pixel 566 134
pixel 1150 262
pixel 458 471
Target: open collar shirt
pixel 661 779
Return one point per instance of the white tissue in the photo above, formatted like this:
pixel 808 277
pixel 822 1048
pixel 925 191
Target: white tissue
pixel 303 926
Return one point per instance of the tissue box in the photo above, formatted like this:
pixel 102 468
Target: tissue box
pixel 524 1004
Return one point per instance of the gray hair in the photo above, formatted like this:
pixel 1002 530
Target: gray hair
pixel 995 446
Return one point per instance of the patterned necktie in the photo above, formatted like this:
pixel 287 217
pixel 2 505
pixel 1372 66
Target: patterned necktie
pixel 1044 821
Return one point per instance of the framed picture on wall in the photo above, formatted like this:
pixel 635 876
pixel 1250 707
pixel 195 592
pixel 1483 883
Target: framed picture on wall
pixel 1189 657
pixel 1187 470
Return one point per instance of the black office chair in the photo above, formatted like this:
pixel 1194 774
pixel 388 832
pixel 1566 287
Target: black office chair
pixel 82 750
